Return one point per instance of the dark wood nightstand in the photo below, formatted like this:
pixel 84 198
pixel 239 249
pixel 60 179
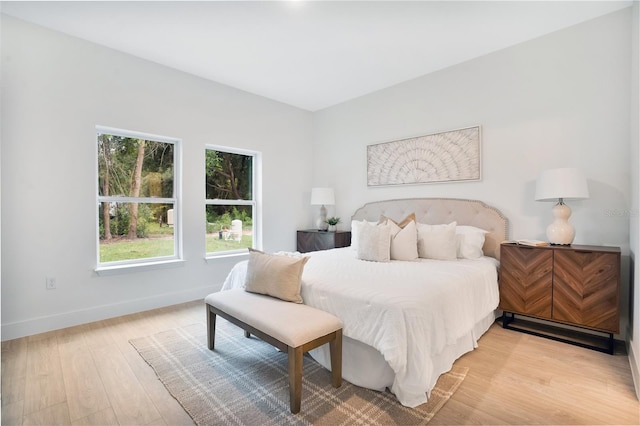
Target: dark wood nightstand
pixel 574 285
pixel 314 240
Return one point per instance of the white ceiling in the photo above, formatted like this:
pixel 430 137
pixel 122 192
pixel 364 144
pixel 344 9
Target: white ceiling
pixel 309 54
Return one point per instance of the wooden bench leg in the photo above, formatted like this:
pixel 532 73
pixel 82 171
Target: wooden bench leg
pixel 335 348
pixel 295 378
pixel 211 328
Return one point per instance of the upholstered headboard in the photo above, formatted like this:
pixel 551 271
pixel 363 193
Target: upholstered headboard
pixel 434 211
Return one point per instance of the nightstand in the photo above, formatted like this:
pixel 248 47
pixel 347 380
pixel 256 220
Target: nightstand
pixel 574 285
pixel 314 240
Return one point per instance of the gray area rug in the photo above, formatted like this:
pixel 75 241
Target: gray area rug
pixel 244 382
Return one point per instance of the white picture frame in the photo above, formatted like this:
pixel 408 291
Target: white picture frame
pixel 450 156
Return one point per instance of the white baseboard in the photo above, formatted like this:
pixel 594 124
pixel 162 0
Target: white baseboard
pixel 635 373
pixel 68 319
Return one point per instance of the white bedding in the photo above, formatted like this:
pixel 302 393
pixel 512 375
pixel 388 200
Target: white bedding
pixel 409 311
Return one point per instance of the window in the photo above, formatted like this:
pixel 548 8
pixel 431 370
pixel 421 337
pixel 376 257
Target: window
pixel 231 204
pixel 138 206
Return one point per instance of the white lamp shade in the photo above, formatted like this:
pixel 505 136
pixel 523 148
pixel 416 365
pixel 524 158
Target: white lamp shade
pixel 566 183
pixel 322 196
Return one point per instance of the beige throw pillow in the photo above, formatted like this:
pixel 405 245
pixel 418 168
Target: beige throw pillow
pixel 404 240
pixel 404 222
pixel 275 275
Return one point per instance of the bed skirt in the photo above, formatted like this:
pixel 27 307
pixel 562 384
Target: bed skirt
pixel 364 366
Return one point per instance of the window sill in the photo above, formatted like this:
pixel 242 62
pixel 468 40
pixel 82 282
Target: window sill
pixel 238 255
pixel 138 267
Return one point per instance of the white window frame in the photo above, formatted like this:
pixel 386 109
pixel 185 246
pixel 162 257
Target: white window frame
pixel 256 201
pixel 106 268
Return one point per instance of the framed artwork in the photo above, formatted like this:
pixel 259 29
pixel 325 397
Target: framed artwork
pixel 452 156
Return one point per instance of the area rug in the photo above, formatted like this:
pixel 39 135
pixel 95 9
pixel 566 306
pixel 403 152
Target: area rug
pixel 245 382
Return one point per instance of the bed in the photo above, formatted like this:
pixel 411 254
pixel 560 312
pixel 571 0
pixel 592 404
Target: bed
pixel 405 322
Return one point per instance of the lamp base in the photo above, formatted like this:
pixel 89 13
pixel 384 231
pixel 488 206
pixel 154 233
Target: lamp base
pixel 321 223
pixel 561 232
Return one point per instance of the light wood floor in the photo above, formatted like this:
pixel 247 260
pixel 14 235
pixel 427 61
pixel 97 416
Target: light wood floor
pixel 90 374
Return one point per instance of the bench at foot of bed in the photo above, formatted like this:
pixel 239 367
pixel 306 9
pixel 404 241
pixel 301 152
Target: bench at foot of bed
pixel 291 327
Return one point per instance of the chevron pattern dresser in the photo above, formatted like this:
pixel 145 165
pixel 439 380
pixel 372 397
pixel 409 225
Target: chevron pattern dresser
pixel 573 285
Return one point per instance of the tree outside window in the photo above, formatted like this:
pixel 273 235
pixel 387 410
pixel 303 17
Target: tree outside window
pixel 137 201
pixel 230 203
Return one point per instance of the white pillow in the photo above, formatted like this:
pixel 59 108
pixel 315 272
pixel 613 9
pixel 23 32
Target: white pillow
pixel 404 241
pixel 437 241
pixel 355 230
pixel 373 242
pixel 469 242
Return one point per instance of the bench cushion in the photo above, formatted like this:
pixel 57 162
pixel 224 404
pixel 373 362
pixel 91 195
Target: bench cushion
pixel 291 323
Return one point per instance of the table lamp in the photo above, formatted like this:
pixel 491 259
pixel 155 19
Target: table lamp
pixel 559 185
pixel 322 197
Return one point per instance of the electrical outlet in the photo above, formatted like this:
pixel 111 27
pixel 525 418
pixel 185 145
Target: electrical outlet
pixel 51 283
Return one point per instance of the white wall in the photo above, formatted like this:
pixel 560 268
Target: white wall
pixel 55 90
pixel 560 100
pixel 634 314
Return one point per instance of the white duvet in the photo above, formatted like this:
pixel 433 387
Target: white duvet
pixel 408 311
